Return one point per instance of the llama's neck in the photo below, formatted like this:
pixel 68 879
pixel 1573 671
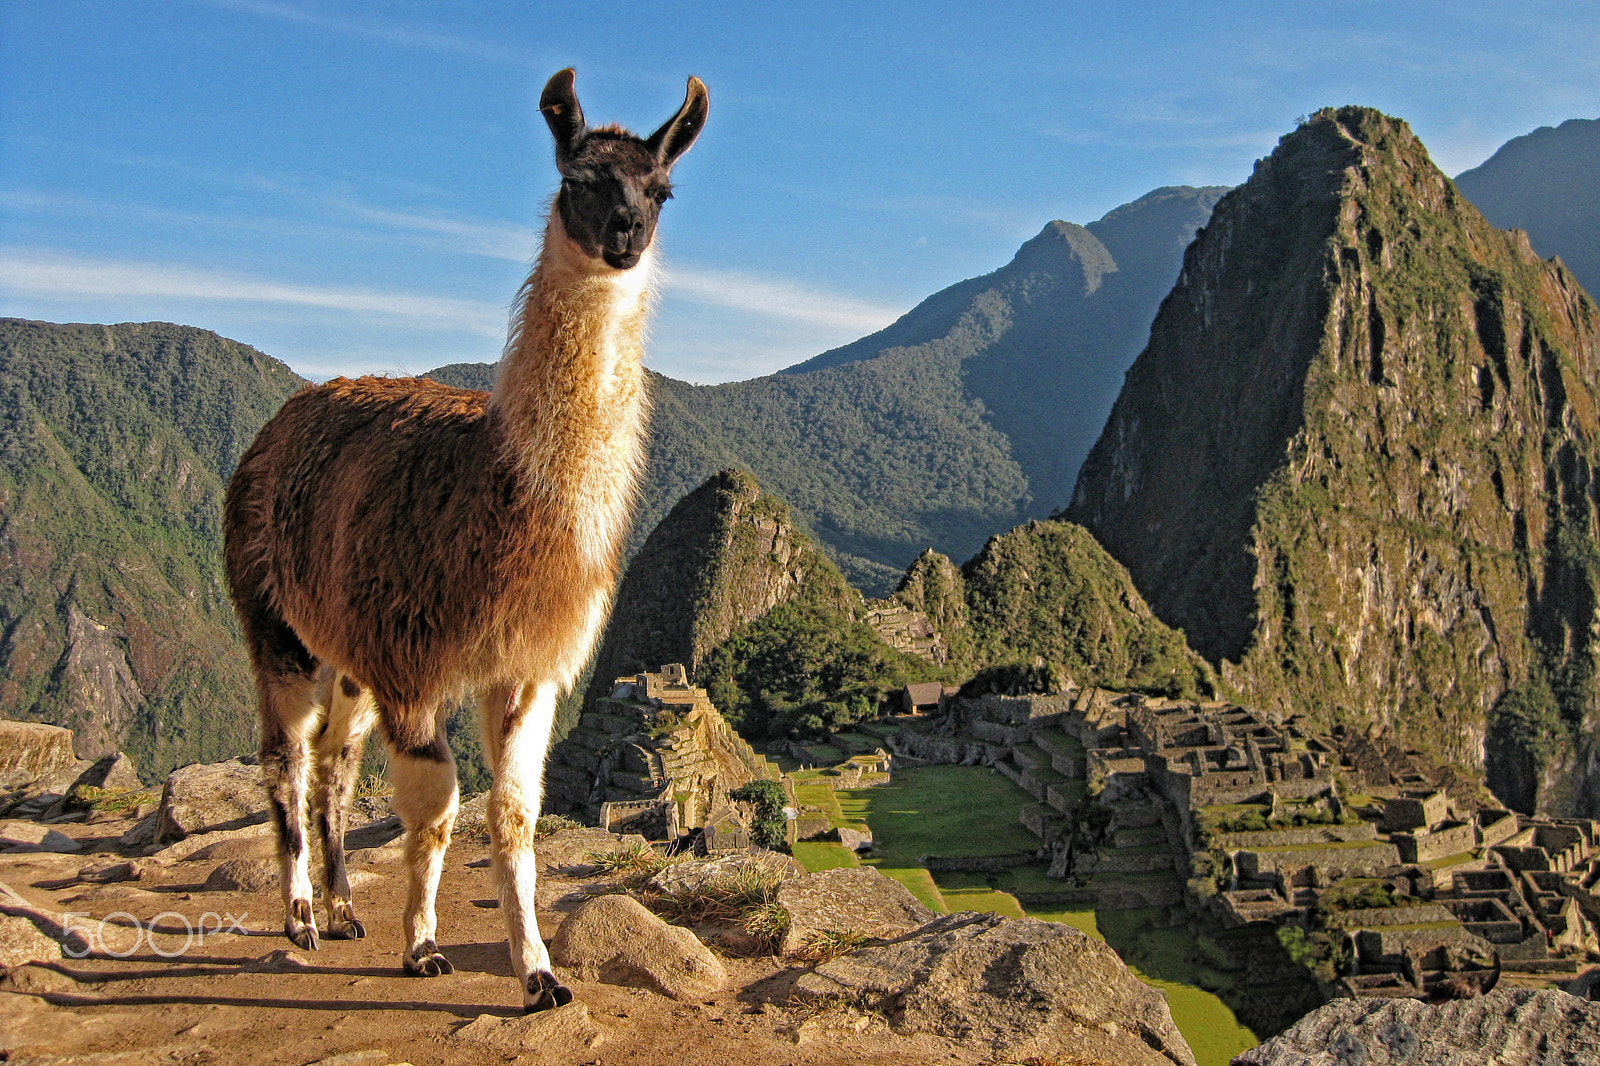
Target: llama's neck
pixel 569 393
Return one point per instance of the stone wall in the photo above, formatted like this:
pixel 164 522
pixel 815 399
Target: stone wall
pixel 1310 834
pixel 1333 862
pixel 1451 838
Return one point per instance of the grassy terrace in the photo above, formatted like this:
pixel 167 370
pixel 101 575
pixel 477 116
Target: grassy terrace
pixel 969 810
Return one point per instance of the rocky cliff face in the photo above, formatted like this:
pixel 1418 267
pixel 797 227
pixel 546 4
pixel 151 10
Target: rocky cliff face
pixel 1355 461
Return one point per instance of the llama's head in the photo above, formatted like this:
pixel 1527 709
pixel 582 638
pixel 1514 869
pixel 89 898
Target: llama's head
pixel 613 183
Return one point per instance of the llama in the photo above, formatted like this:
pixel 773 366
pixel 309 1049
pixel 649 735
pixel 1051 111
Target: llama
pixel 395 544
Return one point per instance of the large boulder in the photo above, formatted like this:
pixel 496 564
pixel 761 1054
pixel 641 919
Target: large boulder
pixel 848 900
pixel 206 797
pixel 244 875
pixel 1019 986
pixel 1508 1027
pixel 110 773
pixel 686 878
pixel 614 939
pixel 35 750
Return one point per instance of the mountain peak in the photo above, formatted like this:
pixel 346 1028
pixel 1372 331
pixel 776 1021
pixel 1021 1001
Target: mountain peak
pixel 1354 457
pixel 1064 247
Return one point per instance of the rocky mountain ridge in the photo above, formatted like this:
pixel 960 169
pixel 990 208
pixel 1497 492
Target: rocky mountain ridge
pixel 1354 462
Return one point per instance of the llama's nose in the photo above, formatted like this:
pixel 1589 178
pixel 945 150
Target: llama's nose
pixel 626 228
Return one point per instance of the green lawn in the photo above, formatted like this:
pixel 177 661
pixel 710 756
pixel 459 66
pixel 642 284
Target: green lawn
pixel 817 855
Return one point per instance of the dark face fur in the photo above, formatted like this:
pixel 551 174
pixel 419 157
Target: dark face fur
pixel 613 183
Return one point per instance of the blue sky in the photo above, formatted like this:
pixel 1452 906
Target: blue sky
pixel 358 187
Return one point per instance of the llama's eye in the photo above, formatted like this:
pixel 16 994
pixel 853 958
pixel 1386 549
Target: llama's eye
pixel 661 196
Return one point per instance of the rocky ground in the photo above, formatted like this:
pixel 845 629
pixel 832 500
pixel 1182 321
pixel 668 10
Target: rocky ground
pixel 121 952
pixel 137 932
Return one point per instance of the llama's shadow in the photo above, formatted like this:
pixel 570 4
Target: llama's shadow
pixel 492 958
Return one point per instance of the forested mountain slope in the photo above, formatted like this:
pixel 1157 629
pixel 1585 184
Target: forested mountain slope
pixel 116 443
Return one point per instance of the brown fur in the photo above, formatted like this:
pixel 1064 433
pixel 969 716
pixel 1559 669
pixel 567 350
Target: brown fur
pixel 386 523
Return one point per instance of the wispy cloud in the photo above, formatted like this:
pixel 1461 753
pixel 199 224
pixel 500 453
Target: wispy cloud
pixel 54 275
pixel 778 299
pixel 381 30
pixel 497 240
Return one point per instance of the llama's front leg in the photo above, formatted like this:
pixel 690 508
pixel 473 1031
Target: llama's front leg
pixel 351 712
pixel 288 710
pixel 425 798
pixel 516 728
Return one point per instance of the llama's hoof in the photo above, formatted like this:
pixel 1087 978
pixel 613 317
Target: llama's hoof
pixel 348 929
pixel 300 926
pixel 425 961
pixel 545 993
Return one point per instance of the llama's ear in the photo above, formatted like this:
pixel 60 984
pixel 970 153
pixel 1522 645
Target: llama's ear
pixel 559 105
pixel 674 138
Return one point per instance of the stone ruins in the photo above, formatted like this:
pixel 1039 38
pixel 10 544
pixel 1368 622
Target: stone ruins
pixel 1155 802
pixel 657 759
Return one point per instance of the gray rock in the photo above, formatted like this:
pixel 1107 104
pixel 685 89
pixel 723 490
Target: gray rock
pixel 205 797
pixel 32 836
pixel 143 832
pixel 200 842
pixel 259 846
pixel 848 900
pixel 1019 986
pixel 1508 1027
pixel 21 942
pixel 685 877
pixel 378 833
pixel 558 1035
pixel 567 848
pixel 614 939
pixel 39 751
pixel 113 773
pixel 855 840
pixel 244 875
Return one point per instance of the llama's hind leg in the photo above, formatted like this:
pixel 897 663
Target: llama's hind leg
pixel 516 731
pixel 351 713
pixel 289 712
pixel 425 798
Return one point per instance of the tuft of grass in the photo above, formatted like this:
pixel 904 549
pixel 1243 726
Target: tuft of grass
pixel 370 786
pixel 727 898
pixel 768 923
pixel 830 944
pixel 108 799
pixel 816 1006
pixel 553 823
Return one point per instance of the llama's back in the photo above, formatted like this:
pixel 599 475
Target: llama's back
pixel 379 520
